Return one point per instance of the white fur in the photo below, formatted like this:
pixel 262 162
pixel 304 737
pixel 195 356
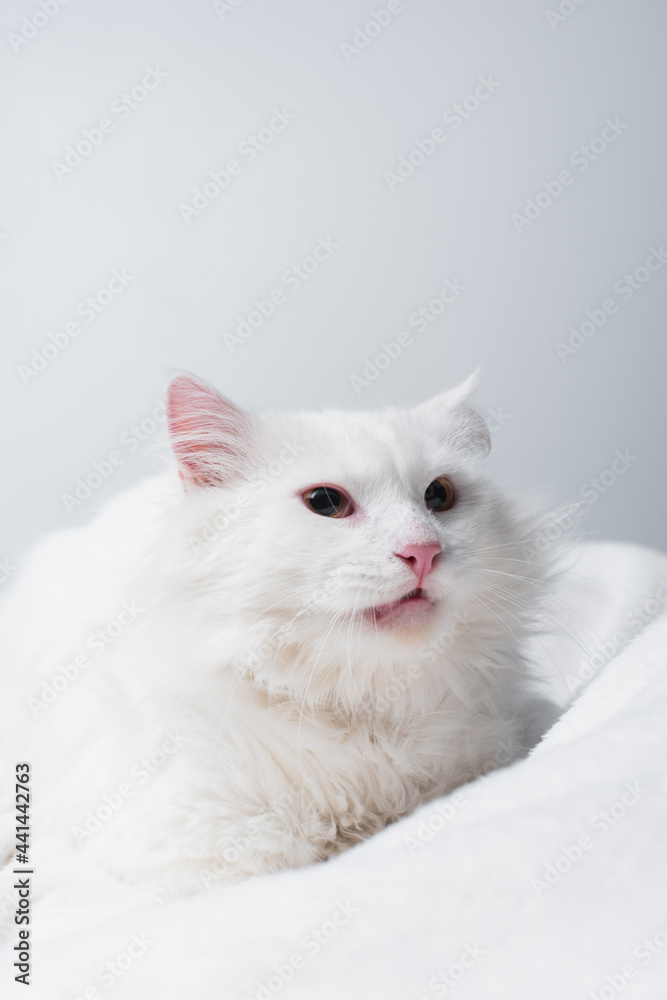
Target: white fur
pixel 286 726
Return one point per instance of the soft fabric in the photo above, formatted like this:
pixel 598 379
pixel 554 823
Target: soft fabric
pixel 544 880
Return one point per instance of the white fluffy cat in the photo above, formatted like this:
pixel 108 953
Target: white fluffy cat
pixel 313 630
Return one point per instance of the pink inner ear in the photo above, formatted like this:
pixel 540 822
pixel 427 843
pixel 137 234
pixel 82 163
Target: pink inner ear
pixel 209 436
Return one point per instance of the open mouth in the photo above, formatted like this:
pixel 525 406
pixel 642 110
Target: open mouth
pixel 412 607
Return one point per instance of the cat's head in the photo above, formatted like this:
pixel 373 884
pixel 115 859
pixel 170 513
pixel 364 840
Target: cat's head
pixel 346 538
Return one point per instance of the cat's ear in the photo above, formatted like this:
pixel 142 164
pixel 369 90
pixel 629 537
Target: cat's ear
pixel 209 436
pixel 460 422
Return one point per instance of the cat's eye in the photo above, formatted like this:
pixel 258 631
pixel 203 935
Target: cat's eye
pixel 440 494
pixel 327 501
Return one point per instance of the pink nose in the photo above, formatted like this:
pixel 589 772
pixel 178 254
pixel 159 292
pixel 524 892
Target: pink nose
pixel 420 558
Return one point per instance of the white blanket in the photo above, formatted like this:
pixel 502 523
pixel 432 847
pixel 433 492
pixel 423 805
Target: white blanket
pixel 546 880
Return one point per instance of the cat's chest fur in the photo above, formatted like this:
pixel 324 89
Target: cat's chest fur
pixel 283 784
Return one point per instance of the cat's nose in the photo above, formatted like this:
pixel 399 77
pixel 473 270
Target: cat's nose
pixel 420 558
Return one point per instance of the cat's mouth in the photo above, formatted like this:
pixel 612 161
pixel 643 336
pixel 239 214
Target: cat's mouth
pixel 412 608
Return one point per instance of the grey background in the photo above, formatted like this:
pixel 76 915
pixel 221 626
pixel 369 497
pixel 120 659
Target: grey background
pixel 324 175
